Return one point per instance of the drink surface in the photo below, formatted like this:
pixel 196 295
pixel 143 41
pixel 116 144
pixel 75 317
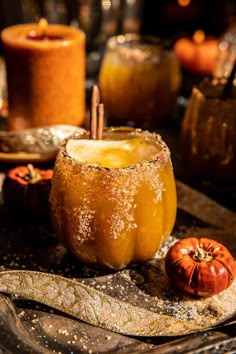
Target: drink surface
pixel 112 154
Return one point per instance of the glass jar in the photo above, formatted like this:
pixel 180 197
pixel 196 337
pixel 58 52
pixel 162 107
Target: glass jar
pixel 226 53
pixel 139 79
pixel 208 134
pixel 111 213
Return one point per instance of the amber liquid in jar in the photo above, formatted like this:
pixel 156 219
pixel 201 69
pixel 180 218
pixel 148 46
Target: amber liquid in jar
pixel 141 73
pixel 115 203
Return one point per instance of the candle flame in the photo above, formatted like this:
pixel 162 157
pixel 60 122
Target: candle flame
pixel 43 24
pixel 199 36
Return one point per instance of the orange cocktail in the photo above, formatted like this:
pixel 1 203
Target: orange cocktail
pixel 113 201
pixel 142 73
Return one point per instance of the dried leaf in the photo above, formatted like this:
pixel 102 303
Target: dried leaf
pixel 97 308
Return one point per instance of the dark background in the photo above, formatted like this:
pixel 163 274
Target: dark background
pixel 166 18
pixel 159 17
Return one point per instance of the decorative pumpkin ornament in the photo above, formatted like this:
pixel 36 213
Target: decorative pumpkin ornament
pixel 197 54
pixel 26 190
pixel 201 267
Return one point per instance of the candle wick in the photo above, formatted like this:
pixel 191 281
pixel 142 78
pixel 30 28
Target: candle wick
pixel 43 24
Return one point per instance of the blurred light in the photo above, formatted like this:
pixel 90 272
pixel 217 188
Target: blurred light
pixel 199 36
pixel 116 3
pixel 121 39
pixel 184 2
pixel 223 45
pixel 106 4
pixel 131 2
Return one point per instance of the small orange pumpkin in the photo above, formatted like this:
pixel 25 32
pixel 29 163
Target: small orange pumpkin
pixel 197 57
pixel 26 190
pixel 202 267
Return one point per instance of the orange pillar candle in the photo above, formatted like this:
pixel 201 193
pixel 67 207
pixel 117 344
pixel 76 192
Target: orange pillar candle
pixel 45 74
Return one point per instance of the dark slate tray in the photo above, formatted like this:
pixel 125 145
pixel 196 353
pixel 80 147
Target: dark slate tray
pixel 29 327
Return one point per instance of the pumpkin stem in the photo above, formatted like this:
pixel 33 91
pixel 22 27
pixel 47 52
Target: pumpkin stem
pixel 33 176
pixel 200 255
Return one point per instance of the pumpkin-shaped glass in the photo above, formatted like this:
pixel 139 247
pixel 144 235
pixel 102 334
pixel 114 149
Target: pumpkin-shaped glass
pixel 113 216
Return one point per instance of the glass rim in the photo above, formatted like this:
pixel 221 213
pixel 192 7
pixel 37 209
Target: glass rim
pixel 201 90
pixel 161 156
pixel 118 41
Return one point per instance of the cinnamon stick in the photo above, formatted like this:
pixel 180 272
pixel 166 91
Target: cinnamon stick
pixel 100 121
pixel 97 115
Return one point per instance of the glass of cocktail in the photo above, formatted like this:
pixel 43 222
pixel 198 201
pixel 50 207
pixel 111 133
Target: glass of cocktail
pixel 113 201
pixel 143 73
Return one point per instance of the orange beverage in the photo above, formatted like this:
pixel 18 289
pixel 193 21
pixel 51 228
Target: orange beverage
pixel 113 201
pixel 144 74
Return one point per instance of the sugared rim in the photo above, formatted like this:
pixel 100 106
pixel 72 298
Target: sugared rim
pixel 117 41
pixel 162 156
